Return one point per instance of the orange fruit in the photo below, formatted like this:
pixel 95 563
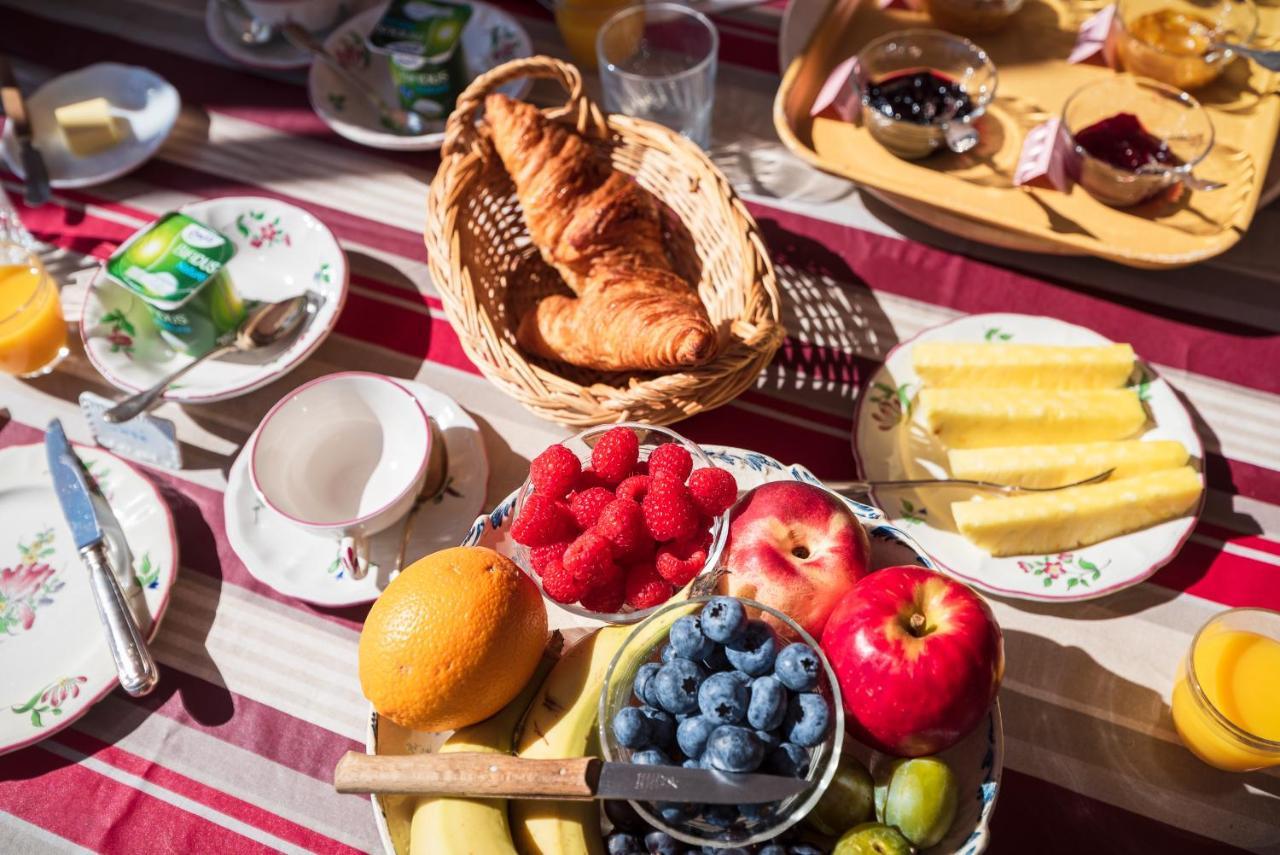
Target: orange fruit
pixel 452 639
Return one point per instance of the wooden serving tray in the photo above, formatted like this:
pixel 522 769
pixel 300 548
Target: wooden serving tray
pixel 973 195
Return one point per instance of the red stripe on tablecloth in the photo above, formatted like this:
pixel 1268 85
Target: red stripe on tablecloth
pixel 1249 541
pixel 1232 580
pixel 97 812
pixel 215 799
pixel 1245 479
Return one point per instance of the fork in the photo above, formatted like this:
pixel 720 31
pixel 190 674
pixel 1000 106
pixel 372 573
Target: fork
pixel 859 487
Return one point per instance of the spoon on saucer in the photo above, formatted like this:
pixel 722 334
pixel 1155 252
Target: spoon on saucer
pixel 267 324
pixel 436 482
pixel 252 31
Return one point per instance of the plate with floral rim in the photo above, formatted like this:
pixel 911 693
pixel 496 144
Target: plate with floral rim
pixel 281 251
pixel 53 649
pixel 978 759
pixel 888 446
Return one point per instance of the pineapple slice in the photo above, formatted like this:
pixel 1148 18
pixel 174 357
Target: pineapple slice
pixel 1055 465
pixel 1022 366
pixel 987 418
pixel 1077 516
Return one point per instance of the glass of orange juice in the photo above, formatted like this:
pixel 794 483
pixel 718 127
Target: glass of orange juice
pixel 33 335
pixel 1226 700
pixel 580 20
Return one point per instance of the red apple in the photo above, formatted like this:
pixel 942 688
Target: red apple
pixel 919 658
pixel 795 547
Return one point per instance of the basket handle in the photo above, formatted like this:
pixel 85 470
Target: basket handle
pixel 588 120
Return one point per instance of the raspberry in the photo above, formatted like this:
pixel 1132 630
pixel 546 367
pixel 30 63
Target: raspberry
pixel 713 490
pixel 679 562
pixel 672 459
pixel 555 471
pixel 633 487
pixel 541 556
pixel 542 520
pixel 606 596
pixel 669 512
pixel 622 522
pixel 645 588
pixel 615 454
pixel 587 480
pixel 587 505
pixel 641 468
pixel 561 585
pixel 589 557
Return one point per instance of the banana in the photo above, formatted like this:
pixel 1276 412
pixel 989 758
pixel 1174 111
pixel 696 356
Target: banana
pixel 454 826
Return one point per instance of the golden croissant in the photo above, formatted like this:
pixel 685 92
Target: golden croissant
pixel 603 233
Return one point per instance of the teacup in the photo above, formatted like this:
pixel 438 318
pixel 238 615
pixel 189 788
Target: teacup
pixel 343 456
pixel 313 15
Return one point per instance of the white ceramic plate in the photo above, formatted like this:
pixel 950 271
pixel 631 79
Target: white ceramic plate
pixel 977 760
pixel 53 649
pixel 884 448
pixel 491 38
pixel 281 251
pixel 144 104
pixel 277 54
pixel 303 565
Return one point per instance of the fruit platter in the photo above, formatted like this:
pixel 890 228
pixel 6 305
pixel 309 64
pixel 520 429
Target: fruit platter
pixel 710 677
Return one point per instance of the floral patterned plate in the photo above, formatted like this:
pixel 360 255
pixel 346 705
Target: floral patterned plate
pixel 887 446
pixel 977 760
pixel 281 251
pixel 303 565
pixel 53 649
pixel 491 38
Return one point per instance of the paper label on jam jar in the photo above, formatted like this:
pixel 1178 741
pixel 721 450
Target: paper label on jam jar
pixel 1091 41
pixel 839 94
pixel 1044 157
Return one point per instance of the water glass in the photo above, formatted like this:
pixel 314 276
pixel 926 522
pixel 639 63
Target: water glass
pixel 658 62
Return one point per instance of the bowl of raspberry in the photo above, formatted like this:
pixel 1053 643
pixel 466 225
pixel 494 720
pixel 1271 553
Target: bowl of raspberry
pixel 729 685
pixel 616 521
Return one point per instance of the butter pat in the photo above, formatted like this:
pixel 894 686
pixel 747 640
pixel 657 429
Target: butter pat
pixel 87 126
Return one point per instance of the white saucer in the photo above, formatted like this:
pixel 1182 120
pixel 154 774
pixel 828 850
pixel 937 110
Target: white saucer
pixel 278 54
pixel 491 38
pixel 144 104
pixel 305 566
pixel 281 251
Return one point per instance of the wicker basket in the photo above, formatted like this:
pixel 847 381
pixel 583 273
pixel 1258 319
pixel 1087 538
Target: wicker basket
pixel 489 273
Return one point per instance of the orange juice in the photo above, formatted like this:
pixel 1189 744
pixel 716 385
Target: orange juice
pixel 33 335
pixel 579 21
pixel 1226 702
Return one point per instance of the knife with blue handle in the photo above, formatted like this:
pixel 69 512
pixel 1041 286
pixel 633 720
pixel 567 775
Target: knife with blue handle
pixel 134 665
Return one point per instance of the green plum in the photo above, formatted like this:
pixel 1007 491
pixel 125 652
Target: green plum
pixel 919 798
pixel 873 838
pixel 847 801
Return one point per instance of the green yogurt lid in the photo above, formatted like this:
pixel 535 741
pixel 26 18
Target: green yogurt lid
pixel 168 262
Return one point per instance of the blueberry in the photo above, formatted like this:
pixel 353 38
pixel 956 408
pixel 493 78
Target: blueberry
pixel 731 850
pixel 756 812
pixel 644 674
pixel 798 667
pixel 768 703
pixel 742 677
pixel 721 816
pixel 723 619
pixel 631 728
pixel 692 764
pixel 768 738
pixel 651 757
pixel 692 734
pixel 662 727
pixel 687 638
pixel 623 815
pixel 755 651
pixel 772 849
pixel 668 653
pixel 716 660
pixel 624 844
pixel 676 685
pixel 672 813
pixel 803 849
pixel 723 699
pixel 788 759
pixel 734 749
pixel 807 721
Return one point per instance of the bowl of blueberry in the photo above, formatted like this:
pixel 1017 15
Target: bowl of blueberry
pixel 707 683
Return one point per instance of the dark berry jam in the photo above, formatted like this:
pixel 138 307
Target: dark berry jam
pixel 921 97
pixel 1124 143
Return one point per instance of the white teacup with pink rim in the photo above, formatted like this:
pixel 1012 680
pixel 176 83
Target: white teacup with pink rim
pixel 343 456
pixel 313 15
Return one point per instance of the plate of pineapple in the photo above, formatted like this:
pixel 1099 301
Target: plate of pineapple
pixel 1038 403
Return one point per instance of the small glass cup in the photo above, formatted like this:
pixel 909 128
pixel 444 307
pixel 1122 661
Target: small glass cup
pixel 1165 112
pixel 658 62
pixel 1203 726
pixel 579 21
pixel 951 56
pixel 972 16
pixel 1152 39
pixel 643 645
pixel 33 334
pixel 650 437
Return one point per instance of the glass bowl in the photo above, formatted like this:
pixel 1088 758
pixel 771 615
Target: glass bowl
pixel 644 645
pixel 906 51
pixel 1152 38
pixel 972 16
pixel 650 437
pixel 1167 113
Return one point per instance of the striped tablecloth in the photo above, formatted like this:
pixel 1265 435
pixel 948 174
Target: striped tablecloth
pixel 259 696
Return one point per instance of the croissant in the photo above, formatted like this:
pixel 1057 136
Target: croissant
pixel 603 233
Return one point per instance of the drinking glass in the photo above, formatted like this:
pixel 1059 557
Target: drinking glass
pixel 579 21
pixel 658 62
pixel 33 335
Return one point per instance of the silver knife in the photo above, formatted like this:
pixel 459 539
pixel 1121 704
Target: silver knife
pixel 34 171
pixel 573 779
pixel 134 665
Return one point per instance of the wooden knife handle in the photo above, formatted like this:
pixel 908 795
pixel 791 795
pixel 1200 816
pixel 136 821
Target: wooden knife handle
pixel 10 96
pixel 476 775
